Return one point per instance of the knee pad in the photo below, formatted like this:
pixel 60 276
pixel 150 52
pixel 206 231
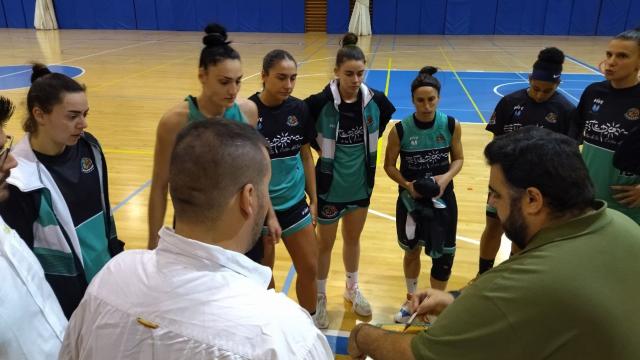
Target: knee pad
pixel 441 267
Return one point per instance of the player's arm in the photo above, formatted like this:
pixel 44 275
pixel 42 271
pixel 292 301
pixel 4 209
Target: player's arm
pixel 457 159
pixel 390 160
pixel 169 125
pixel 310 179
pixel 249 110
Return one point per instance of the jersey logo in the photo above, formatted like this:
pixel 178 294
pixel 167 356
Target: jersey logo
pixel 440 138
pixel 329 211
pixel 632 114
pixel 369 121
pixel 292 120
pixel 259 124
pixel 86 165
pixel 517 110
pixel 551 117
pixel 413 140
pixel 596 105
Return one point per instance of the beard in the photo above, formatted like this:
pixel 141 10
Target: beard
pixel 514 225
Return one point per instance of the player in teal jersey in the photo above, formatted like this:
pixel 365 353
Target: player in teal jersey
pixel 429 145
pixel 608 112
pixel 284 122
pixel 349 117
pixel 220 73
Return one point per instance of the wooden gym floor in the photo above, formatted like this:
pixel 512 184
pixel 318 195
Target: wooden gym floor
pixel 132 77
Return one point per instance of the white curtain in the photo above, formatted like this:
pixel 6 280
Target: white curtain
pixel 45 17
pixel 360 23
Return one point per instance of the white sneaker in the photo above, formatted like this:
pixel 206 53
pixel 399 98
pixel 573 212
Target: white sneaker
pixel 320 318
pixel 359 304
pixel 403 315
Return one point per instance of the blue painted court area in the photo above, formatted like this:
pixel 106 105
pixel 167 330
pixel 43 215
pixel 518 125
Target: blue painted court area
pixel 483 89
pixel 19 76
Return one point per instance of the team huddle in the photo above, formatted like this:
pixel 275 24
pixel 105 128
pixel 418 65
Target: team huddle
pixel 62 213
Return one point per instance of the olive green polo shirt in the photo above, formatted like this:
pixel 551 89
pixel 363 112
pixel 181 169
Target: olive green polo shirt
pixel 572 293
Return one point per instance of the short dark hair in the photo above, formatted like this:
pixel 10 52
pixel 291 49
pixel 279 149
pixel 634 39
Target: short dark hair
pixel 210 162
pixel 46 91
pixel 551 162
pixel 275 56
pixel 6 110
pixel 630 35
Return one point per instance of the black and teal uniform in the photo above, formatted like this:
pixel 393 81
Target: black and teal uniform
pixel 518 109
pixel 59 205
pixel 347 140
pixel 608 115
pixel 287 127
pixel 424 153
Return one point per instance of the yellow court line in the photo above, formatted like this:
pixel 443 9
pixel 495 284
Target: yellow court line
pixel 386 93
pixel 464 88
pixel 127 151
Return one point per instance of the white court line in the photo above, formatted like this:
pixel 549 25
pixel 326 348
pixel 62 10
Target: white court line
pixel 579 64
pixel 252 75
pixel 389 217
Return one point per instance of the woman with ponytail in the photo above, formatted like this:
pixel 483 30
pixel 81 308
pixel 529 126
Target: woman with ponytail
pixel 59 199
pixel 429 145
pixel 539 105
pixel 349 118
pixel 220 73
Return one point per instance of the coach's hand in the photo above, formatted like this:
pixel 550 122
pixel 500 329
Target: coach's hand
pixel 430 302
pixel 627 195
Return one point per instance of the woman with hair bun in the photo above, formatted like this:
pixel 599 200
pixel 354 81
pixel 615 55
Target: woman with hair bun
pixel 59 199
pixel 349 117
pixel 429 145
pixel 540 105
pixel 220 73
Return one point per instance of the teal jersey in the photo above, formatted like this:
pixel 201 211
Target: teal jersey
pixel 233 113
pixel 286 128
pixel 608 115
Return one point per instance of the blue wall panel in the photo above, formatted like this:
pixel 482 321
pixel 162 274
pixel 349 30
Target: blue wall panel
pixel 227 14
pixel 113 14
pixel 514 17
pixel 337 16
pixel 633 18
pixel 408 16
pixel 384 17
pixel 3 18
pixel 74 14
pixel 293 16
pixel 613 17
pixel 584 17
pixel 270 16
pixel 470 17
pixel 29 7
pixel 250 15
pixel 14 14
pixel 206 13
pixel 146 14
pixel 432 16
pixel 558 17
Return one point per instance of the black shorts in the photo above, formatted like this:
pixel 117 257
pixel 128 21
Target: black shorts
pixel 294 218
pixel 449 227
pixel 330 212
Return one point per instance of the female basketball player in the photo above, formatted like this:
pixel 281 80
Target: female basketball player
pixel 284 121
pixel 540 105
pixel 425 140
pixel 59 199
pixel 349 118
pixel 220 73
pixel 608 111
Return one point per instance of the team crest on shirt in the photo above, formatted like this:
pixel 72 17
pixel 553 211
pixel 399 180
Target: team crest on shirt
pixel 517 110
pixel 86 165
pixel 292 120
pixel 551 117
pixel 329 211
pixel 413 140
pixel 632 114
pixel 259 124
pixel 596 104
pixel 440 138
pixel 369 121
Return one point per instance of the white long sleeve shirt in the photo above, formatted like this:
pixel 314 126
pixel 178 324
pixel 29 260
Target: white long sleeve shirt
pixel 32 323
pixel 188 300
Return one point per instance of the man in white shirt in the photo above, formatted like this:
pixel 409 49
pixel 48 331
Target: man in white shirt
pixel 196 296
pixel 32 323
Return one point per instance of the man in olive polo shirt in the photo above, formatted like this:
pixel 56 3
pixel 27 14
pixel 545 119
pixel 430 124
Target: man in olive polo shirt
pixel 572 293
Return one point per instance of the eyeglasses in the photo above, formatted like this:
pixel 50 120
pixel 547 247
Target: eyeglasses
pixel 6 147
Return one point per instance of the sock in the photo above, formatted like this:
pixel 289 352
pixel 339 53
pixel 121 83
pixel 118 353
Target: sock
pixel 322 286
pixel 485 265
pixel 352 280
pixel 412 285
